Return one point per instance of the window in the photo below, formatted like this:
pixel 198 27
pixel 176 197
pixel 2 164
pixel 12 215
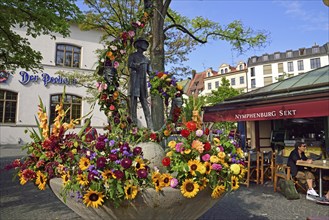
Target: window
pixel 253 83
pixel 8 106
pixel 232 81
pixel 72 102
pixel 315 49
pixel 267 80
pixel 240 67
pixel 254 59
pixel 277 56
pixel 252 71
pixel 302 52
pixel 280 67
pixel 226 70
pixel 267 69
pixel 290 66
pixel 300 64
pixel 289 54
pixel 209 86
pixel 265 58
pixel 216 84
pixel 208 74
pixel 221 71
pixel 315 63
pixel 68 55
pixel 241 79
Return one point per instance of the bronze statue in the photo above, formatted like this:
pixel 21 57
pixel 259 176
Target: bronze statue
pixel 139 67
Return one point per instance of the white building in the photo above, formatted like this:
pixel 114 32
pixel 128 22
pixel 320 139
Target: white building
pixel 269 68
pixel 19 92
pixel 235 75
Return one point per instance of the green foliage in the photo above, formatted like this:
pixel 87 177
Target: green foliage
pixel 47 17
pixel 190 104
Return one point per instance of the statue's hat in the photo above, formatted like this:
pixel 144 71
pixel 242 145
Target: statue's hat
pixel 140 39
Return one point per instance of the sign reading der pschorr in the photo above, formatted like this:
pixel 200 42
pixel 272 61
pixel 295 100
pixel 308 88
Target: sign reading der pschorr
pixel 46 78
pixel 280 113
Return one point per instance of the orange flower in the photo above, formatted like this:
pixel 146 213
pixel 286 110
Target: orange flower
pixel 198 145
pixel 166 133
pixel 110 55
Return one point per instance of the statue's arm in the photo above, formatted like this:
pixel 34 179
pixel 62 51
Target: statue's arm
pixel 132 63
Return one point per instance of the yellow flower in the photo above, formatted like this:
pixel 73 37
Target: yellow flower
pixel 179 87
pixel 235 168
pixel 22 180
pixel 218 191
pixel 156 179
pixel 139 163
pixel 172 144
pixel 189 188
pixel 198 145
pixel 66 178
pixel 221 155
pixel 41 180
pixel 196 165
pixel 203 183
pixel 207 165
pixel 166 133
pixel 169 154
pixel 84 163
pixel 216 141
pixel 93 198
pixel 83 180
pixel 240 152
pixel 235 182
pixel 187 151
pixel 165 179
pixel 214 159
pixel 130 191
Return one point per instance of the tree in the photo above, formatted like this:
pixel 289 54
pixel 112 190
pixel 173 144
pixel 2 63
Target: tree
pixel 45 17
pixel 171 35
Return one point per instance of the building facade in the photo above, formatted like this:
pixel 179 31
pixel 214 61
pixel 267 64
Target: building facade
pixel 269 68
pixel 237 76
pixel 20 91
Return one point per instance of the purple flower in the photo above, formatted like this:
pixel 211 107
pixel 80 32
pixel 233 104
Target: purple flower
pixel 101 161
pixel 91 176
pixel 111 143
pixel 92 156
pixel 118 174
pixel 113 157
pixel 173 182
pixel 101 138
pixel 216 166
pixel 126 163
pixel 142 173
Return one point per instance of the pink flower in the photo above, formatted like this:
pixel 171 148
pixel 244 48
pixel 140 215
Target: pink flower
pixel 101 86
pixel 216 166
pixel 116 64
pixel 206 157
pixel 199 133
pixel 173 182
pixel 179 147
pixel 131 33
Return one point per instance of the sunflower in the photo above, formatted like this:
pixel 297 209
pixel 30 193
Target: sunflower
pixel 235 182
pixel 66 178
pixel 156 179
pixel 207 165
pixel 130 191
pixel 218 191
pixel 139 163
pixel 93 198
pixel 82 179
pixel 41 180
pixel 203 183
pixel 107 174
pixel 165 179
pixel 189 188
pixel 84 163
pixel 194 165
pixel 22 180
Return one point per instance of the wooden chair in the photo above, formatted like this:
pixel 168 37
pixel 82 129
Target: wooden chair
pixel 267 166
pixel 252 163
pixel 281 170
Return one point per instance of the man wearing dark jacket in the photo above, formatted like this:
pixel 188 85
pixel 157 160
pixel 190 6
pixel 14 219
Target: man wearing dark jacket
pixel 302 173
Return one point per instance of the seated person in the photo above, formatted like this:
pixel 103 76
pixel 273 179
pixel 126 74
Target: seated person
pixel 302 173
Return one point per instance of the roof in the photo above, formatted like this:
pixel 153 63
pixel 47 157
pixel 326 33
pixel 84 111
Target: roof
pixel 314 83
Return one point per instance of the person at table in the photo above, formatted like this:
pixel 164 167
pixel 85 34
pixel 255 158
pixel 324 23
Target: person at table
pixel 302 173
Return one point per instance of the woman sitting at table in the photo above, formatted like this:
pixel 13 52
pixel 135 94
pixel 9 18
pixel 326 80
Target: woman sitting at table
pixel 302 173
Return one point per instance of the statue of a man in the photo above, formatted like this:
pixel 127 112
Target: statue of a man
pixel 139 67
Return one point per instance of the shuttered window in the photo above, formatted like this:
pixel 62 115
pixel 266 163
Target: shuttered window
pixel 267 69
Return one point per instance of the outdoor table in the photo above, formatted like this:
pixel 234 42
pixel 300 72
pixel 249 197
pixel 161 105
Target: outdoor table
pixel 316 164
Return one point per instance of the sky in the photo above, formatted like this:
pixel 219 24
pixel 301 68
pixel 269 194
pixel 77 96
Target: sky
pixel 291 25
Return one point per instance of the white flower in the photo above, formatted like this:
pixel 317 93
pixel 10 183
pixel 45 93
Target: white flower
pixel 114 48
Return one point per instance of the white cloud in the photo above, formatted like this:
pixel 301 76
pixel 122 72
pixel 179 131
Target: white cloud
pixel 312 20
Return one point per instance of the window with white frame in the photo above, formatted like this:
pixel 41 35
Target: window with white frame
pixel 280 67
pixel 209 86
pixel 8 106
pixel 315 63
pixel 232 81
pixel 315 49
pixel 68 55
pixel 300 64
pixel 290 66
pixel 289 54
pixel 268 80
pixel 221 71
pixel 241 79
pixel 265 58
pixel 277 56
pixel 253 83
pixel 216 84
pixel 252 71
pixel 267 69
pixel 72 104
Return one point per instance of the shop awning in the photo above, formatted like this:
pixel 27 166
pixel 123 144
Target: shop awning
pixel 305 109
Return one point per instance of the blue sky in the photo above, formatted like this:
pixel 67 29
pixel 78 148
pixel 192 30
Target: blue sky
pixel 292 25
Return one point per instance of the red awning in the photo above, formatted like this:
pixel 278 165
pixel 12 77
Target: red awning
pixel 271 112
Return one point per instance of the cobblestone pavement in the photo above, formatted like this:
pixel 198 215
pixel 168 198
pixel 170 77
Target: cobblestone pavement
pixel 256 202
